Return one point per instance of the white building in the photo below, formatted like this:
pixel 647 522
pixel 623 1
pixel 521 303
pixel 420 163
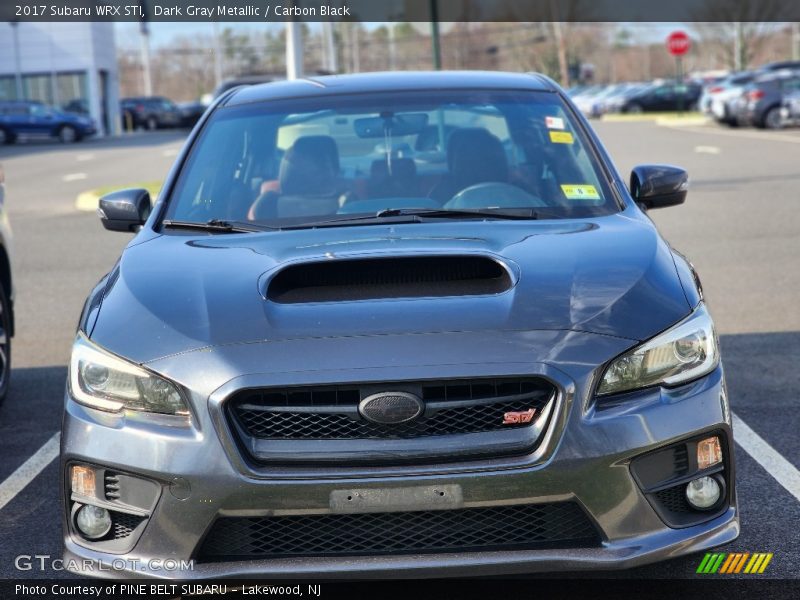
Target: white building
pixel 62 63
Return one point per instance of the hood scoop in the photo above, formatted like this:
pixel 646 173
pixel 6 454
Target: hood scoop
pixel 383 278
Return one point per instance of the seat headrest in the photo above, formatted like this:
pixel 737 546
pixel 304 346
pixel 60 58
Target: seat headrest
pixel 310 166
pixel 476 156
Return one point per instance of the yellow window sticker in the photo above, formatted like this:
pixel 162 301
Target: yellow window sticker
pixel 580 192
pixel 561 137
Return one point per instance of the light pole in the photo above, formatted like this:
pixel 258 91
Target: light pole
pixel 144 49
pixel 217 55
pixel 17 63
pixel 294 50
pixel 435 41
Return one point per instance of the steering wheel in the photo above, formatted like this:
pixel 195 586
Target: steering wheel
pixel 494 194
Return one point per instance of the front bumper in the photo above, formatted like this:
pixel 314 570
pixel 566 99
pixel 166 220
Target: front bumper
pixel 585 459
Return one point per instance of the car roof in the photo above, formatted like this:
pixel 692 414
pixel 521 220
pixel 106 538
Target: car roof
pixel 390 82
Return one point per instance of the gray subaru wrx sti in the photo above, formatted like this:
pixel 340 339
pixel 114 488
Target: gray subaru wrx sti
pixel 395 323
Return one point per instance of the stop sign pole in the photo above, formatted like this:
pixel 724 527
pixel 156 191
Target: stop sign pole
pixel 678 44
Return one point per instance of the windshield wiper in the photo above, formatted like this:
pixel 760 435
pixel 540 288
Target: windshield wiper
pixel 495 213
pixel 216 226
pixel 416 215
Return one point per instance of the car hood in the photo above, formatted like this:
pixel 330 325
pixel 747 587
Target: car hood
pixel 186 291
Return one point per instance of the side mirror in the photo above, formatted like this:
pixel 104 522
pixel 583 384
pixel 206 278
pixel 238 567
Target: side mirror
pixel 657 186
pixel 125 210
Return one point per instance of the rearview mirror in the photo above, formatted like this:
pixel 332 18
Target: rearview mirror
pixel 657 186
pixel 398 125
pixel 125 210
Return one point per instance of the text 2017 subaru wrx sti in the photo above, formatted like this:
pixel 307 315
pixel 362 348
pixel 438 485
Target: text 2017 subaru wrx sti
pixel 397 324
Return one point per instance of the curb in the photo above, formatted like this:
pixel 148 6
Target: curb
pixel 658 118
pixel 87 202
pixel 682 122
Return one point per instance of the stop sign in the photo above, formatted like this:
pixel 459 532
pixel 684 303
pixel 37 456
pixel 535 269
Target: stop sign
pixel 678 43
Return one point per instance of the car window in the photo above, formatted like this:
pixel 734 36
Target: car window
pixel 284 162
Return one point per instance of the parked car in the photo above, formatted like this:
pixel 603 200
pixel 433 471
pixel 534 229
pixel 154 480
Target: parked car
pixel 587 100
pixel 149 112
pixel 664 97
pixel 759 104
pixel 616 99
pixel 79 106
pixel 717 99
pixel 781 65
pixel 791 107
pixel 6 293
pixel 191 112
pixel 229 84
pixel 36 120
pixel 437 367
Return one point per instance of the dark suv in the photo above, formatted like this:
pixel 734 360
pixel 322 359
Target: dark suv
pixel 35 119
pixel 150 112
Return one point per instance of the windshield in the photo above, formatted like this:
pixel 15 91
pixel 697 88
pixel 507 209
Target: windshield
pixel 286 163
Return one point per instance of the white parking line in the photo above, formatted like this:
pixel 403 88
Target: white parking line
pixel 74 177
pixel 28 471
pixel 781 469
pixel 84 157
pixel 170 152
pixel 707 149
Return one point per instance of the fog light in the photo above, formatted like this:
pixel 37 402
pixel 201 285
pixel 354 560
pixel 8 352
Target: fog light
pixel 709 452
pixel 93 522
pixel 83 480
pixel 703 492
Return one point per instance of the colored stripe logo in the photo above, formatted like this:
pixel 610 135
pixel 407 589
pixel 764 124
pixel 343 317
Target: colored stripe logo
pixel 735 562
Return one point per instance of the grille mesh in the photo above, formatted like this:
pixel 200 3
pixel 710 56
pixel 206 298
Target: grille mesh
pixel 123 524
pixel 469 529
pixel 469 419
pixel 263 413
pixel 674 499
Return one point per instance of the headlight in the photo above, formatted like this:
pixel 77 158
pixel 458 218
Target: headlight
pixel 686 351
pixel 106 382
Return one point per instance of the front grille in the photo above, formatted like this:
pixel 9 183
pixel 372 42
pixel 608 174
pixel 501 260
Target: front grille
pixel 515 527
pixel 331 413
pixel 292 425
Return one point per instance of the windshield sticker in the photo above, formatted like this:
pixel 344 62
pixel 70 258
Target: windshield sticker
pixel 561 137
pixel 554 122
pixel 580 192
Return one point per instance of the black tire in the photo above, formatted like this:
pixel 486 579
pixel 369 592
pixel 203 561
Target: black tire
pixel 634 108
pixel 6 137
pixel 5 344
pixel 68 134
pixel 772 119
pixel 151 124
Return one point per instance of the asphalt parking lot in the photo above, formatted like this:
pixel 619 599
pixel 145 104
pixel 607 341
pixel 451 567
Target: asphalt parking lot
pixel 740 227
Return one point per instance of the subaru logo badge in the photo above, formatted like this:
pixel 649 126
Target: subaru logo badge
pixel 391 408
